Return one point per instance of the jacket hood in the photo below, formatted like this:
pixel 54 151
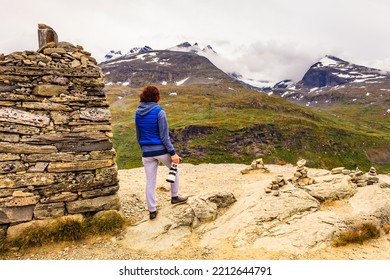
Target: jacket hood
pixel 145 107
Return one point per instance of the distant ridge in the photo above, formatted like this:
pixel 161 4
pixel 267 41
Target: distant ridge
pixel 165 67
pixel 332 81
pixel 328 82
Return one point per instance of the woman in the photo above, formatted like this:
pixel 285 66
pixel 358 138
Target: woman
pixel 153 137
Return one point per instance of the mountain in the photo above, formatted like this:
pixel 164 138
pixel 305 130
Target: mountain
pixel 143 49
pixel 187 47
pixel 332 81
pixel 163 67
pixel 214 118
pixel 332 71
pixel 183 47
pixel 208 52
pixel 284 84
pixel 113 54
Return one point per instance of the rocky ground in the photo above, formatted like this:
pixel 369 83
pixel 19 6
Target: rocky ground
pixel 256 226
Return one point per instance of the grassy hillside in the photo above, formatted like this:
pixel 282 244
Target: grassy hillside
pixel 230 123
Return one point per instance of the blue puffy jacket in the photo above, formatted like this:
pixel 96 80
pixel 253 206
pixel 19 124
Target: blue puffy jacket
pixel 152 130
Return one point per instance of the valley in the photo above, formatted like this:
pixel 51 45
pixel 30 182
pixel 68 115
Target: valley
pixel 220 125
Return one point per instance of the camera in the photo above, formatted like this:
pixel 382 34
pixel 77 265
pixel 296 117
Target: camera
pixel 172 173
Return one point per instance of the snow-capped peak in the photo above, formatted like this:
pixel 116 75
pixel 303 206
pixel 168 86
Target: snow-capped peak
pixel 209 49
pixel 140 50
pixel 327 61
pixel 113 54
pixel 117 53
pixel 187 47
pixel 284 84
pixel 331 71
pixel 184 45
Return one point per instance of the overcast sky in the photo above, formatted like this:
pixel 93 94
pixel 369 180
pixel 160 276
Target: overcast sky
pixel 268 39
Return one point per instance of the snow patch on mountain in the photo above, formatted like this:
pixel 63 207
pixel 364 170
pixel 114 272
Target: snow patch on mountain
pixel 348 72
pixel 149 57
pixel 332 80
pixel 222 63
pixel 113 54
pixel 225 65
pixel 328 61
pixel 187 47
pixel 179 83
pixel 140 50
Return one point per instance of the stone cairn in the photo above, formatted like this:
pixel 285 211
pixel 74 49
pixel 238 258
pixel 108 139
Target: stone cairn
pixel 358 177
pixel 300 177
pixel 256 164
pixel 362 180
pixel 372 176
pixel 277 183
pixel 56 157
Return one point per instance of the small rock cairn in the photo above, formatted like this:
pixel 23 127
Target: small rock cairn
pixel 300 177
pixel 357 176
pixel 256 164
pixel 277 183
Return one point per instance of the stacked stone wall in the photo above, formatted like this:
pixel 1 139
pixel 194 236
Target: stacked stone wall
pixel 56 157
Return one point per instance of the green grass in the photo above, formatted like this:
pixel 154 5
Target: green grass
pixel 283 131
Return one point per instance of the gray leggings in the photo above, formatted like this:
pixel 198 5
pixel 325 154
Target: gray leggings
pixel 151 165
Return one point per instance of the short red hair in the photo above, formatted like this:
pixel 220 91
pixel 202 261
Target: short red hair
pixel 150 94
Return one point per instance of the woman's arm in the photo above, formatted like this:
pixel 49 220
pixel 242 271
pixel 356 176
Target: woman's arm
pixel 164 132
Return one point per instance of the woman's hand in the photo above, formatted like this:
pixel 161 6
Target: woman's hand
pixel 176 159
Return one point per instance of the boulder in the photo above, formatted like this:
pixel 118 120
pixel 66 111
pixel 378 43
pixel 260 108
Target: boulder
pixel 333 187
pixel 372 202
pixel 176 222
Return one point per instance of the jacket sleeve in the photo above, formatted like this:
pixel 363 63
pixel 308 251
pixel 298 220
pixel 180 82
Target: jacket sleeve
pixel 164 132
pixel 137 132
